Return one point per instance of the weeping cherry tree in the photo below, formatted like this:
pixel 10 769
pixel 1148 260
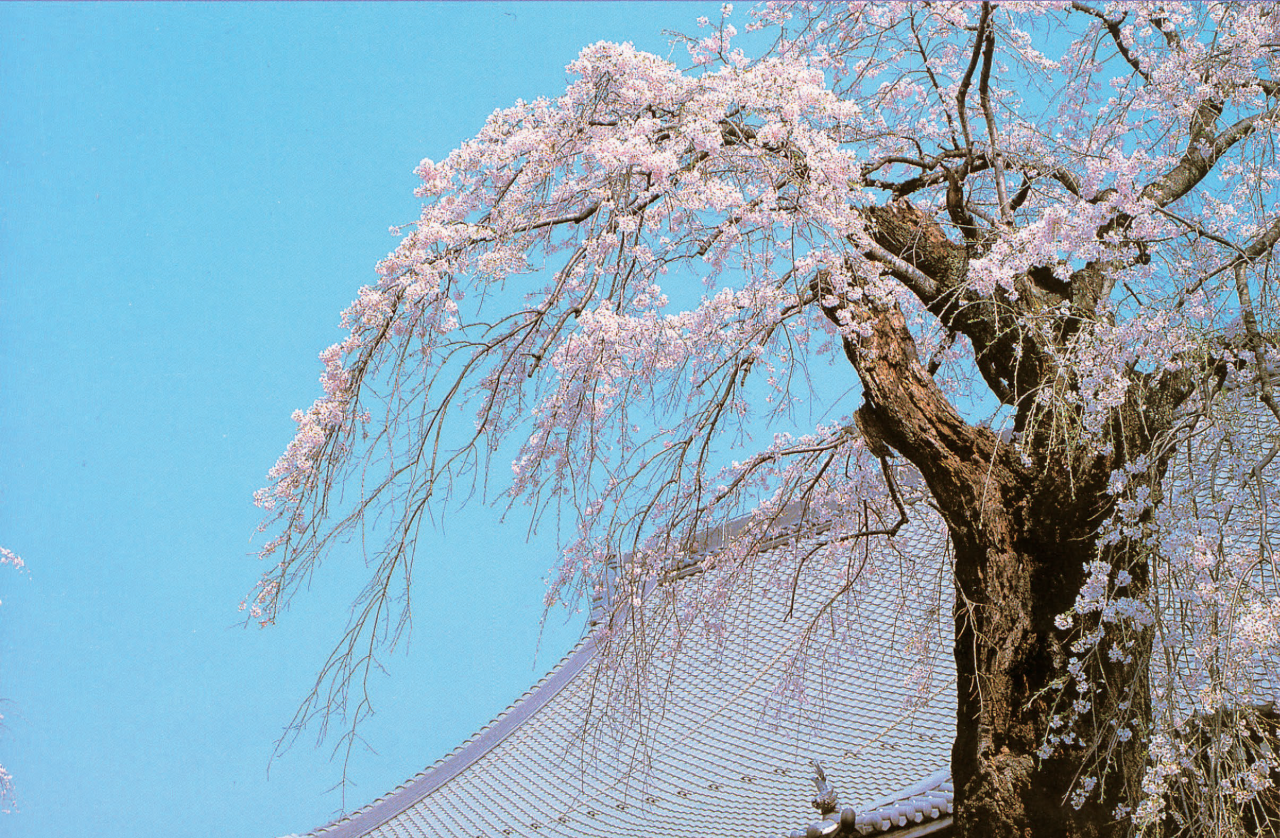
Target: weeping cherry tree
pixel 1025 250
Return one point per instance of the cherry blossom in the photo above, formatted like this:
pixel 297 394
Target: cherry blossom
pixel 7 557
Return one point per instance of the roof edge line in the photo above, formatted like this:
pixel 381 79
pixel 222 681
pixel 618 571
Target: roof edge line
pixel 432 778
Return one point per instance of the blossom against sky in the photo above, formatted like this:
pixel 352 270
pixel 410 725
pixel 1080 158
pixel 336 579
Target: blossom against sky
pixel 189 194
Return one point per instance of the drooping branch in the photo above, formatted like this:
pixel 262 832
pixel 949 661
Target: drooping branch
pixel 1254 339
pixel 1113 28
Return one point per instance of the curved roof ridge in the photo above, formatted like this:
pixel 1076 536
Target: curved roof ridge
pixel 468 752
pixel 456 761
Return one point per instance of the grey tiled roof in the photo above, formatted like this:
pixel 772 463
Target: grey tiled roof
pixel 718 739
pixel 722 735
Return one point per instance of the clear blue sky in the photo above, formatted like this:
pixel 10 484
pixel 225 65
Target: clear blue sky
pixel 190 195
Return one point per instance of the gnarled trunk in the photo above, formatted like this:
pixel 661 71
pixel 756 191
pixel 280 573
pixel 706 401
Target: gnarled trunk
pixel 1022 544
pixel 1015 573
pixel 1025 526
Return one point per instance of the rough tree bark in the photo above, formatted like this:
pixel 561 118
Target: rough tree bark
pixel 1023 529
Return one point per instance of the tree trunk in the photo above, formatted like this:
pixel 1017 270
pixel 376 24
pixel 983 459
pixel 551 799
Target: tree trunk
pixel 1023 534
pixel 1015 573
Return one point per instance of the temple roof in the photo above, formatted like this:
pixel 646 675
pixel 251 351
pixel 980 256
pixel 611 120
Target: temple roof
pixel 721 735
pixel 812 662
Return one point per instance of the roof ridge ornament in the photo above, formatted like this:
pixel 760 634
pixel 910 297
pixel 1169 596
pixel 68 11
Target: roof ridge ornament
pixel 826 800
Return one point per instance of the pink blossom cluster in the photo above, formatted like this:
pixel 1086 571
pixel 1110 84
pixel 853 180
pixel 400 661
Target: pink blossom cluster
pixel 7 557
pixel 1214 602
pixel 6 790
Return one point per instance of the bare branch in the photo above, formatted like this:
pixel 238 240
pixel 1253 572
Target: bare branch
pixel 984 96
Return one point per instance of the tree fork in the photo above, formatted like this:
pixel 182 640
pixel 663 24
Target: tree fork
pixel 1022 540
